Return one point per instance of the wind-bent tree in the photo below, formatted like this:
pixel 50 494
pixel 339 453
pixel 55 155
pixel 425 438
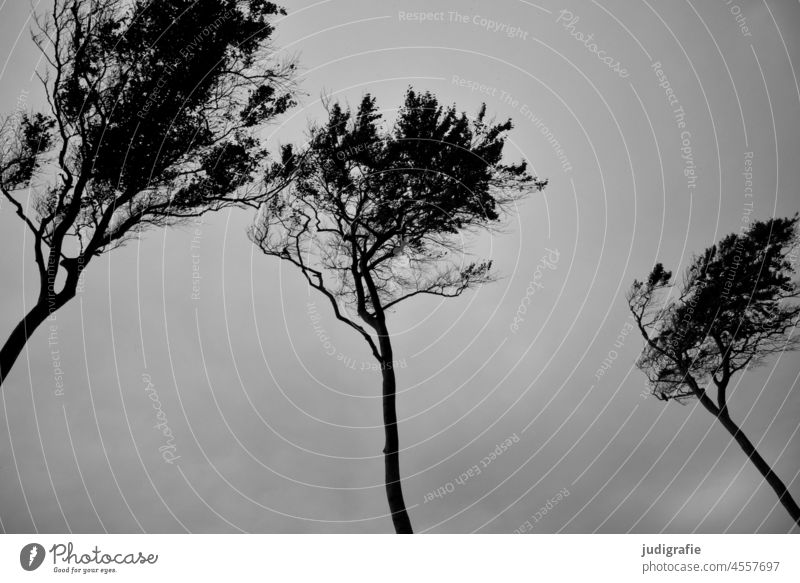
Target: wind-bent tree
pixel 734 309
pixel 152 114
pixel 375 215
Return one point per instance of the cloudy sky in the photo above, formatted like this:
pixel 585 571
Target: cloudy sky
pixel 273 434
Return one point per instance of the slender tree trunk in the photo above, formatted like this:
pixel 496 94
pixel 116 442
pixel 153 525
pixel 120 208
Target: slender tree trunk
pixel 394 491
pixel 19 337
pixel 769 475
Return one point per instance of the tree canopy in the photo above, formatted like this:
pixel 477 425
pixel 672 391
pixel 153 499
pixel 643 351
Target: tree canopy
pixel 154 109
pixel 152 114
pixel 376 212
pixel 734 308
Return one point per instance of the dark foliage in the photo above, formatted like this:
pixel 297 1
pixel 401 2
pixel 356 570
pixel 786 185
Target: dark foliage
pixel 153 112
pixel 377 215
pixel 736 307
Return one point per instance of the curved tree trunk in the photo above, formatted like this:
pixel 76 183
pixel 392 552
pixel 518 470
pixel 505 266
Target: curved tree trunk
pixel 19 337
pixel 770 476
pixel 721 413
pixel 44 307
pixel 394 491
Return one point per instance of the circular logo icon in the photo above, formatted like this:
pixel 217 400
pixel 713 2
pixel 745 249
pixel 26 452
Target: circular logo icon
pixel 31 556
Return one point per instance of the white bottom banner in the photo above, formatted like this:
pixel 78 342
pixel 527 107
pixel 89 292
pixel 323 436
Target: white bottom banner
pixel 387 558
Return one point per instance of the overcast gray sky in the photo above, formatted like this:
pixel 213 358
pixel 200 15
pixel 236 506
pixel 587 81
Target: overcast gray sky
pixel 275 435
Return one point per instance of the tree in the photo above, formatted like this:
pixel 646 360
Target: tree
pixel 735 308
pixel 374 217
pixel 153 109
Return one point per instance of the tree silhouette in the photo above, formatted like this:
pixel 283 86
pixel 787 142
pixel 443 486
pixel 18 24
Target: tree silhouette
pixel 153 108
pixel 735 308
pixel 375 215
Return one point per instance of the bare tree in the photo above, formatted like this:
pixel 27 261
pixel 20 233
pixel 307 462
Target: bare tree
pixel 375 215
pixel 153 108
pixel 735 308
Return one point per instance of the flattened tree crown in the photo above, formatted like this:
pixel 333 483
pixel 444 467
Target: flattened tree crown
pixel 368 195
pixel 433 157
pixel 735 306
pixel 153 109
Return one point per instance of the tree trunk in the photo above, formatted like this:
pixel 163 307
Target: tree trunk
pixel 394 491
pixel 46 305
pixel 769 475
pixel 19 337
